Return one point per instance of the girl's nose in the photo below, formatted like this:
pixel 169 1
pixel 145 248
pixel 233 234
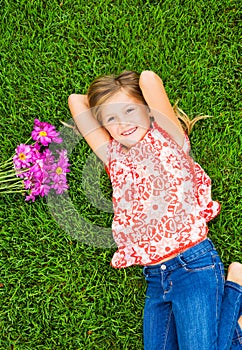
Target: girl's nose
pixel 124 124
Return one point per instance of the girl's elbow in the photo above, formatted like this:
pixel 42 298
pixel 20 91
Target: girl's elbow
pixel 147 77
pixel 72 98
pixel 147 73
pixel 76 101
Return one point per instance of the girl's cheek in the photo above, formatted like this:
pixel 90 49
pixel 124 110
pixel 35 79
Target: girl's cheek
pixel 111 131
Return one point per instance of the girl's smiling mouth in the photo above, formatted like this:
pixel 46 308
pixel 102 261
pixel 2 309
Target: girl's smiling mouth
pixel 129 132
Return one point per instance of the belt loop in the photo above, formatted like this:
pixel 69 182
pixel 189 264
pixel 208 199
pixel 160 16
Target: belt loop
pixel 145 271
pixel 211 243
pixel 181 260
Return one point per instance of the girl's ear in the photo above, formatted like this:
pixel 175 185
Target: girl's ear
pixel 152 119
pixel 150 113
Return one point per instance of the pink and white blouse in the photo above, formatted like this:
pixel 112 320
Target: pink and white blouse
pixel 161 199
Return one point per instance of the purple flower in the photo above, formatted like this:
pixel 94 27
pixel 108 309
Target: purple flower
pixel 23 157
pixel 27 183
pixel 59 171
pixel 22 174
pixel 30 197
pixel 45 133
pixel 61 185
pixel 37 171
pixel 36 152
pixel 41 169
pixel 61 167
pixel 37 188
pixel 48 159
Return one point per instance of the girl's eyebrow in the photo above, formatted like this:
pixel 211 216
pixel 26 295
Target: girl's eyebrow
pixel 129 105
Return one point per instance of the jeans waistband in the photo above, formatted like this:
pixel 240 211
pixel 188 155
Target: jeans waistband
pixel 184 257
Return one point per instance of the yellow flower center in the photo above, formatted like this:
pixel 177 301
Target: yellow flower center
pixel 43 133
pixel 58 170
pixel 22 156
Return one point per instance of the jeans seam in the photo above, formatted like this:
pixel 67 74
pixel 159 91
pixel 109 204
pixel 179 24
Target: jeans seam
pixel 217 300
pixel 217 271
pixel 238 335
pixel 167 330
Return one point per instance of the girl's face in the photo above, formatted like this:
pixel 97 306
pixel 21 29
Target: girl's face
pixel 125 118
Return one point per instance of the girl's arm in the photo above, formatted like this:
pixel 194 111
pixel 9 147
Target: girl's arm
pixel 95 135
pixel 155 95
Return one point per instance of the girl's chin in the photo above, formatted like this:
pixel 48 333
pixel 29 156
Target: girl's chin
pixel 128 144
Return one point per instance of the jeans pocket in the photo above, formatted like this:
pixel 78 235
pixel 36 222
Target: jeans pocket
pixel 202 262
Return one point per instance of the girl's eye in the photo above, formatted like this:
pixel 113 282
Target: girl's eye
pixel 130 109
pixel 110 119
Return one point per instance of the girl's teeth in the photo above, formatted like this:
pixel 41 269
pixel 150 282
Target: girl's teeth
pixel 129 132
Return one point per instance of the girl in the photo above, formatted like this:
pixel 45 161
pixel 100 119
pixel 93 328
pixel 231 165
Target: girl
pixel 162 203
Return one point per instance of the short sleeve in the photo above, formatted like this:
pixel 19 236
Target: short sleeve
pixel 209 208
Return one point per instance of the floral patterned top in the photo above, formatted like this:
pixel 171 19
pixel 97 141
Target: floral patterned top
pixel 161 198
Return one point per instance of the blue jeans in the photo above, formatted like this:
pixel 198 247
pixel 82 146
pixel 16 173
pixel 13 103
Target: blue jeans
pixel 187 306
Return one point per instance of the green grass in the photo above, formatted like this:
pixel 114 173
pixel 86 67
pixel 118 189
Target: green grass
pixel 56 292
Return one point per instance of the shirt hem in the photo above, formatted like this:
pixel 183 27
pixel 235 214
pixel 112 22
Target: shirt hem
pixel 157 261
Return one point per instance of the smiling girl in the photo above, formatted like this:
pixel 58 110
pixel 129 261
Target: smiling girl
pixel 162 203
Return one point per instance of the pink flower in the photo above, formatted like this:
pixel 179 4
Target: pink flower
pixel 61 167
pixel 48 159
pixel 36 188
pixel 23 156
pixel 30 197
pixel 45 133
pixel 60 186
pixel 36 153
pixel 40 169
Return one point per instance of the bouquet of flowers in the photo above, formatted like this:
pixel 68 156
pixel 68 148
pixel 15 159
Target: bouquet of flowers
pixel 35 169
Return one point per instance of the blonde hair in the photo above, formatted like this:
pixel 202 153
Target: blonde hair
pixel 106 86
pixel 187 123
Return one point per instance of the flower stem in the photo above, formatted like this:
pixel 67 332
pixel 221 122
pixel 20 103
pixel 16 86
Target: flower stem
pixel 10 176
pixel 16 179
pixel 6 163
pixel 7 171
pixel 15 191
pixel 10 186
